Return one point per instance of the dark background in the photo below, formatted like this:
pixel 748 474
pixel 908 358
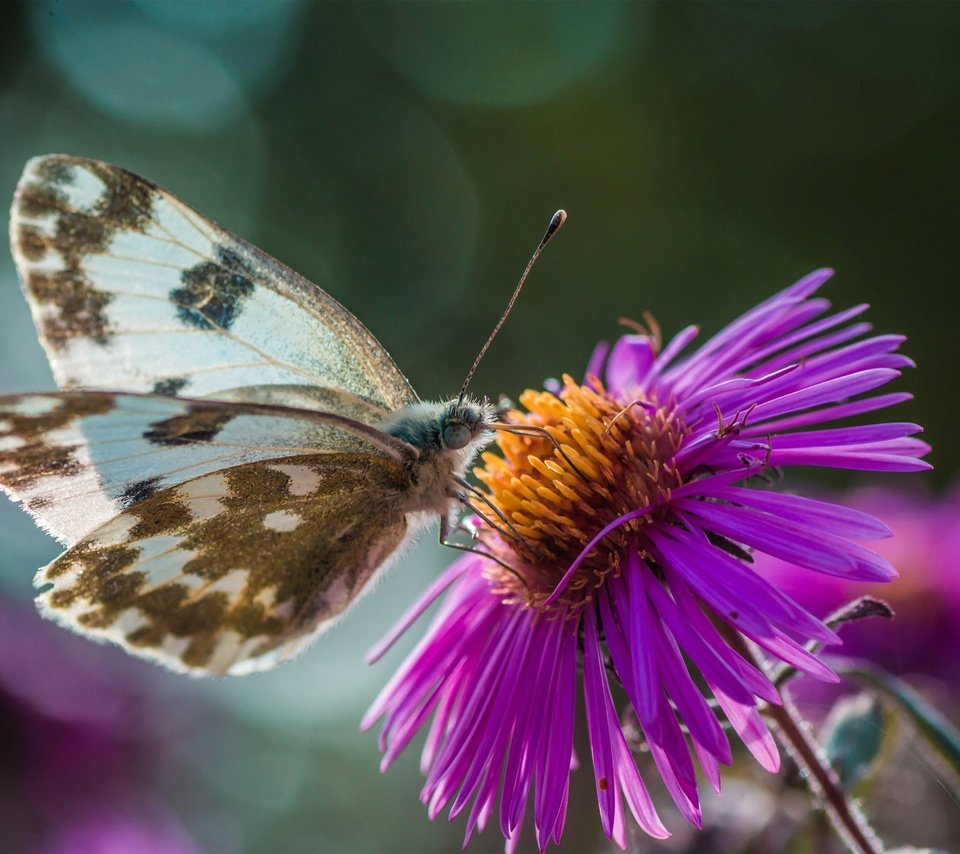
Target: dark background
pixel 406 157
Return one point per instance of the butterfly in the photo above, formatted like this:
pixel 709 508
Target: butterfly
pixel 233 458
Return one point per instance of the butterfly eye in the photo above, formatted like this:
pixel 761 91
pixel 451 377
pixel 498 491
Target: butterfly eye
pixel 456 436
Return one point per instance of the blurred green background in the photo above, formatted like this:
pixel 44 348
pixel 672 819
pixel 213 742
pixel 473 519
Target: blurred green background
pixel 406 157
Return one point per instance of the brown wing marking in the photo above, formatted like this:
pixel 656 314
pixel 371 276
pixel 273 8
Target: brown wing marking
pixel 236 570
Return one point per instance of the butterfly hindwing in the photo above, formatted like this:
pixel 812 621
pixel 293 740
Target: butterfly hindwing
pixel 77 459
pixel 133 290
pixel 235 570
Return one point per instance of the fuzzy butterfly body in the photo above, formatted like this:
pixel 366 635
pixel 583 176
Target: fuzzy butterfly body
pixel 254 457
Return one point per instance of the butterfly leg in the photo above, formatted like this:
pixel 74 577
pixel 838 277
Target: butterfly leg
pixel 465 501
pixel 446 529
pixel 482 496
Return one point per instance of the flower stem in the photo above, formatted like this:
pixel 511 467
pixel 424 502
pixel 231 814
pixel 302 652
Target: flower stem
pixel 794 734
pixel 845 816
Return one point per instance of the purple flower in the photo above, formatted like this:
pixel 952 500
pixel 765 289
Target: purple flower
pixel 135 830
pixel 79 741
pixel 620 547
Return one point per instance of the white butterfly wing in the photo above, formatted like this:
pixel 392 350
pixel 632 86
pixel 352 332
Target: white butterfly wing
pixel 133 290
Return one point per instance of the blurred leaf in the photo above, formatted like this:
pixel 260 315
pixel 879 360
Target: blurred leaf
pixel 938 733
pixel 858 609
pixel 852 737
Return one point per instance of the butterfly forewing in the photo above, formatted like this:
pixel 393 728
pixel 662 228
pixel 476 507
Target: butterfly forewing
pixel 235 570
pixel 77 459
pixel 133 290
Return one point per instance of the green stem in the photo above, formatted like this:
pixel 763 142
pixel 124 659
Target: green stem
pixel 794 733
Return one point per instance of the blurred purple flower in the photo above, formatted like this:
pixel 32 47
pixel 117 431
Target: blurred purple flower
pixel 620 543
pixel 77 741
pixel 925 546
pixel 133 830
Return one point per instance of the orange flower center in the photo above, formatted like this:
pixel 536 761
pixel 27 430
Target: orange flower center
pixel 577 462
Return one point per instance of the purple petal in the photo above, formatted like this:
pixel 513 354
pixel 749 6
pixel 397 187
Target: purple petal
pixel 835 519
pixel 802 545
pixel 749 725
pixel 432 657
pixel 638 625
pixel 597 696
pixel 612 526
pixel 700 720
pixel 482 805
pixel 791 652
pixel 488 744
pixel 629 363
pixel 672 758
pixel 462 744
pixel 778 608
pixel 628 659
pixel 776 353
pixel 432 593
pixel 558 737
pixel 597 358
pixel 739 356
pixel 634 791
pixel 692 565
pixel 830 413
pixel 407 727
pixel 556 781
pixel 731 393
pixel 677 344
pixel 860 435
pixel 527 730
pixel 735 339
pixel 857 457
pixel 809 284
pixel 438 729
pixel 830 391
pixel 708 651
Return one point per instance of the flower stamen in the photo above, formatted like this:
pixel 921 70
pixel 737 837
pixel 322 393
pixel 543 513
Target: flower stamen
pixel 581 471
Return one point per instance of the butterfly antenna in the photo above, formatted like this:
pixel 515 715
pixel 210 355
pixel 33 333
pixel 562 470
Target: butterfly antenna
pixel 556 221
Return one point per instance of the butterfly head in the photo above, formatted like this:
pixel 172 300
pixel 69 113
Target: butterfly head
pixel 456 427
pixel 464 422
